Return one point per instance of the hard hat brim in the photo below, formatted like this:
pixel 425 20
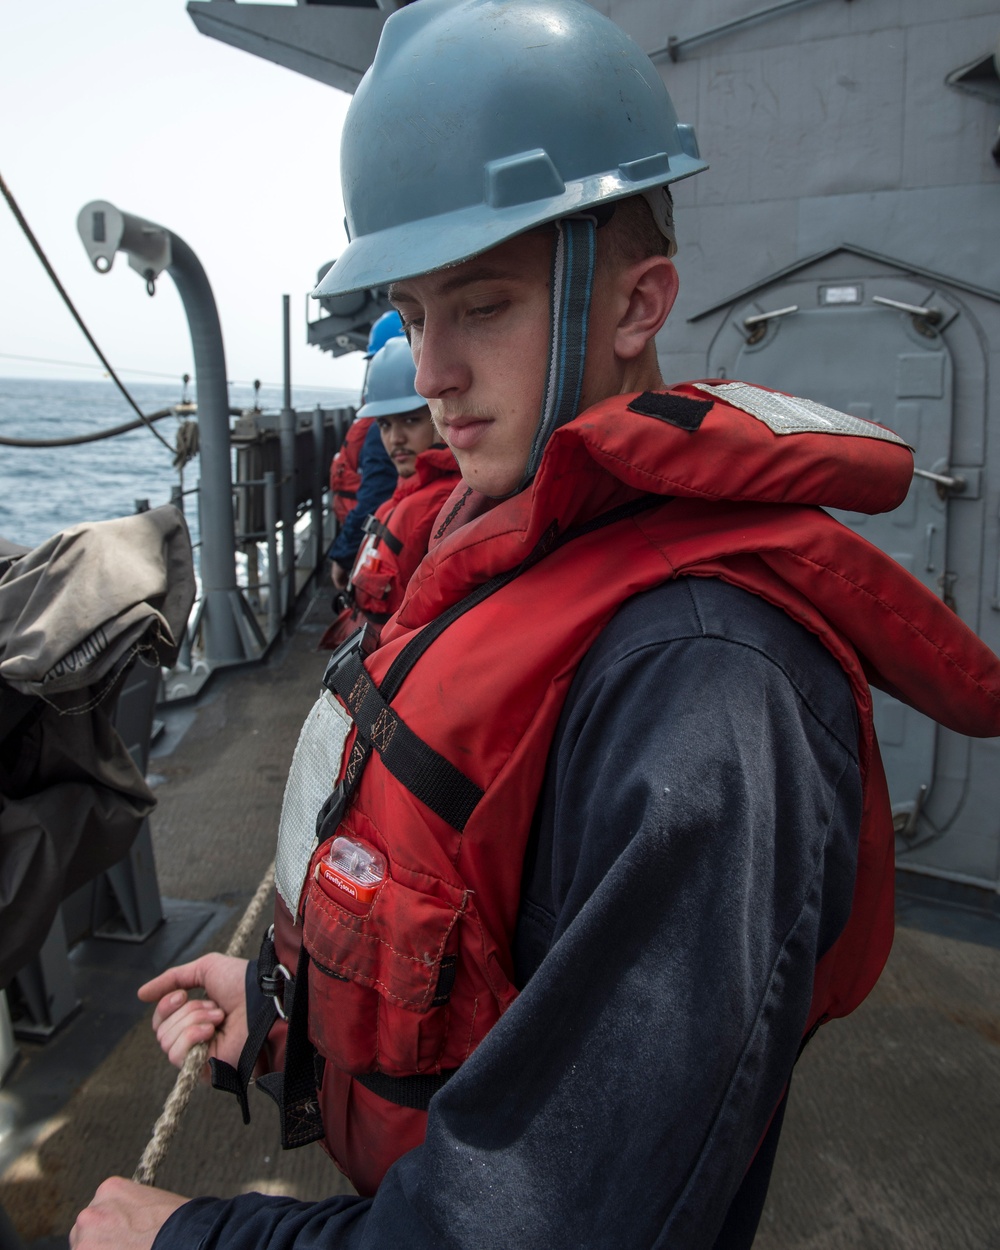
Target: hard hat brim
pixel 391 407
pixel 427 245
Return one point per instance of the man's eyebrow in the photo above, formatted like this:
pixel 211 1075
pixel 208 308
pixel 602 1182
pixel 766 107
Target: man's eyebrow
pixel 481 273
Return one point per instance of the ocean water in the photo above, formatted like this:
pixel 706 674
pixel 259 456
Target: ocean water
pixel 43 490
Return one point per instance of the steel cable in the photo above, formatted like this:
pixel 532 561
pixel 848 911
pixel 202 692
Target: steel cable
pixel 73 440
pixel 29 235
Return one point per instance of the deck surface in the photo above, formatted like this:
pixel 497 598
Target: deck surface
pixel 892 1136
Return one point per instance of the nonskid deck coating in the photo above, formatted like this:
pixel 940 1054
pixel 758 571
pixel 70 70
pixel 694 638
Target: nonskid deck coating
pixel 891 1139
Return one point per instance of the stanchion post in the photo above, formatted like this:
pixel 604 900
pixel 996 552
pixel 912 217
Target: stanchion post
pixel 273 572
pixel 288 483
pixel 319 485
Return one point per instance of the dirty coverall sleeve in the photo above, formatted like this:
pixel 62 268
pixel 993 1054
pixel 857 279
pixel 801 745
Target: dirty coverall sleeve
pixel 378 481
pixel 694 854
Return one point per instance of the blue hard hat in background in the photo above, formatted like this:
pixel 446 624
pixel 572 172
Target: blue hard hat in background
pixel 386 327
pixel 390 385
pixel 479 120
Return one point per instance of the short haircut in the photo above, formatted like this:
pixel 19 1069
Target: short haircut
pixel 631 234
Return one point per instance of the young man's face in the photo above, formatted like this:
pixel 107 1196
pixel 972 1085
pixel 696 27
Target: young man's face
pixel 404 436
pixel 480 337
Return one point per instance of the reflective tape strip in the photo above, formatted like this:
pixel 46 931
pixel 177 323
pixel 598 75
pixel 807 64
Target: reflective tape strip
pixel 313 774
pixel 787 414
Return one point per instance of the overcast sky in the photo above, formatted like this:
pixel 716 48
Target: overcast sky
pixel 123 100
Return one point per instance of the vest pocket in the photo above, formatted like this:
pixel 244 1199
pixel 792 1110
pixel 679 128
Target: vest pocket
pixel 379 981
pixel 372 587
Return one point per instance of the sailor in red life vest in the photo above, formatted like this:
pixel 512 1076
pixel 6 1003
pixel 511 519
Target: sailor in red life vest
pixel 611 835
pixel 365 477
pixel 396 536
pixel 345 473
pixel 397 539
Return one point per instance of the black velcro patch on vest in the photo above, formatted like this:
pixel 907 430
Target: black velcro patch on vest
pixel 686 414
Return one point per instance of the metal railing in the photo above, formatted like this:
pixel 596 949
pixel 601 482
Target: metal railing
pixel 277 558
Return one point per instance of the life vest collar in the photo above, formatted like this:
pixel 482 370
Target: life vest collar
pixel 437 461
pixel 622 448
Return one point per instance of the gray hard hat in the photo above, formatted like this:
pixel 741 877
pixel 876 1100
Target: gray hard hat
pixel 481 119
pixel 390 385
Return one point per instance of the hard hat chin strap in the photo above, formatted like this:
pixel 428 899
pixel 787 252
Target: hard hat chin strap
pixel 573 260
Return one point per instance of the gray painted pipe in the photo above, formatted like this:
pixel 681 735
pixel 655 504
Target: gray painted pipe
pixel 151 248
pixel 218 538
pixel 286 429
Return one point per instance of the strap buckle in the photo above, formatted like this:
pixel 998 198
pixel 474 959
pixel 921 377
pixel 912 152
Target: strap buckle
pixel 329 815
pixel 272 977
pixel 361 644
pixel 273 987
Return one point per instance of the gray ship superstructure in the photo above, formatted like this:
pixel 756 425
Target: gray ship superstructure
pixel 840 247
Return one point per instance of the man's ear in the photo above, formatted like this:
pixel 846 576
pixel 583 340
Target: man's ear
pixel 650 288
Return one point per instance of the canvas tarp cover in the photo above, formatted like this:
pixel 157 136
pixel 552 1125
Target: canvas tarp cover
pixel 75 613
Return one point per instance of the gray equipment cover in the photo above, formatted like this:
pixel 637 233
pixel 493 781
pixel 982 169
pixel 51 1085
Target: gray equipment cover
pixel 74 614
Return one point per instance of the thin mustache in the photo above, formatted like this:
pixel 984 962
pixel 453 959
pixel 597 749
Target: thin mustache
pixel 467 412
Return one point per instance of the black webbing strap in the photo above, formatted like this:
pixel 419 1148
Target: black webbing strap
pixel 346 494
pixel 273 984
pixel 434 780
pixel 414 1092
pixel 295 1089
pixel 383 533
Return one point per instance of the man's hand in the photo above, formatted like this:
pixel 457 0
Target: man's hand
pixel 220 1018
pixel 123 1216
pixel 339 575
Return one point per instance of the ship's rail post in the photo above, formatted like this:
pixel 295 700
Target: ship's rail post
pixel 273 571
pixel 288 484
pixel 151 248
pixel 318 486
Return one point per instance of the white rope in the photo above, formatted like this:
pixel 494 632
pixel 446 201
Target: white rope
pixel 197 1056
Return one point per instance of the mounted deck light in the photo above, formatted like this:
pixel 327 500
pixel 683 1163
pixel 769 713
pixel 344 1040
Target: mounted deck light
pixel 105 230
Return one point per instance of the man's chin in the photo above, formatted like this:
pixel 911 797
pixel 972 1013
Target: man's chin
pixel 486 476
pixel 491 486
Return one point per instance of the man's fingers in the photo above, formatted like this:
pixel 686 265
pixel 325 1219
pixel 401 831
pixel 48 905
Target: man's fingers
pixel 167 1006
pixel 196 1021
pixel 187 1040
pixel 181 1022
pixel 183 977
pixel 177 1003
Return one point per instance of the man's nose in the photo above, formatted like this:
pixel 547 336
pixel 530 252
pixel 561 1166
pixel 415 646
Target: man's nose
pixel 441 368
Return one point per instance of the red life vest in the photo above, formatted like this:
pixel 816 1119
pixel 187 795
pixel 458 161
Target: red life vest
pixel 411 982
pixel 344 476
pixel 397 540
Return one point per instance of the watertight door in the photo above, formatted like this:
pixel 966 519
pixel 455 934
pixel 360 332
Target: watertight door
pixel 838 344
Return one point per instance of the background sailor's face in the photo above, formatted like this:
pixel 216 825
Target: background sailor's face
pixel 479 332
pixel 404 436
